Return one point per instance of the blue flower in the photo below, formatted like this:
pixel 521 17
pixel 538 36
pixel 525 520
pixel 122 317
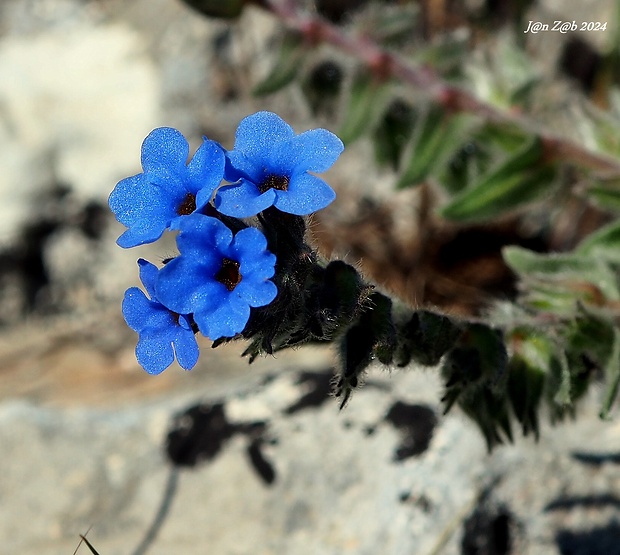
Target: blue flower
pixel 163 333
pixel 217 277
pixel 149 202
pixel 270 165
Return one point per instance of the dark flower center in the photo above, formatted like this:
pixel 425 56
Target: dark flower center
pixel 229 274
pixel 187 206
pixel 272 181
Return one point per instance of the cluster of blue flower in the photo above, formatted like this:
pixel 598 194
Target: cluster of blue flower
pixel 225 267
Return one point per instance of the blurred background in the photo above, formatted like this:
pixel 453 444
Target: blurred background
pixel 262 462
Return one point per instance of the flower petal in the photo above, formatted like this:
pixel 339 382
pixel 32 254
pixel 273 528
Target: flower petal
pixel 256 292
pixel 259 267
pixel 243 199
pixel 306 194
pixel 185 321
pixel 144 207
pixel 257 134
pixel 186 348
pixel 226 321
pixel 315 150
pixel 186 287
pixel 148 276
pixel 205 171
pixel 202 237
pixel 164 151
pixel 154 352
pixel 140 235
pixel 136 308
pixel 239 166
pixel 249 241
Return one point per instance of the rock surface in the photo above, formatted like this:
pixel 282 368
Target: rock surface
pixel 263 462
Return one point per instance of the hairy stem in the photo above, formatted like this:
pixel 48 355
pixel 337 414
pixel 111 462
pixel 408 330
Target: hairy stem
pixel 388 64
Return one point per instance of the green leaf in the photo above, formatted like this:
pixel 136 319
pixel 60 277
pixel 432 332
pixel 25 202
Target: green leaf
pixel 426 338
pixel 604 126
pixel 507 73
pixel 557 297
pixel 437 136
pixel 445 54
pixel 508 138
pixel 606 197
pixel 516 75
pixel 393 132
pixel 612 375
pixel 321 87
pixel 391 26
pixel 367 99
pixel 574 269
pixel 527 371
pixel 475 376
pixel 292 51
pixel 589 334
pixel 372 336
pixel 489 343
pixel 478 360
pixel 562 394
pixel 474 159
pixel 516 181
pixel 603 242
pixel 527 262
pixel 522 95
pixel 585 344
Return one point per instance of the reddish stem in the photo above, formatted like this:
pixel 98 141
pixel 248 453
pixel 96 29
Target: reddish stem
pixel 450 97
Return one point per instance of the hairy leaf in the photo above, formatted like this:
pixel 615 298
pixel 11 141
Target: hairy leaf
pixel 606 197
pixel 574 269
pixel 612 375
pixel 436 138
pixel 527 371
pixel 286 67
pixel 367 99
pixel 562 394
pixel 604 242
pixel 393 132
pixel 516 181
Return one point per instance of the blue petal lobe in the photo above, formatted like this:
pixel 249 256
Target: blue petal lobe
pixel 239 166
pixel 250 249
pixel 202 237
pixel 186 287
pixel 257 134
pixel 226 321
pixel 164 151
pixel 243 199
pixel 136 236
pixel 205 171
pixel 186 348
pixel 138 197
pixel 249 241
pixel 144 207
pixel 315 150
pixel 185 322
pixel 204 196
pixel 148 276
pixel 257 293
pixel 154 352
pixel 306 194
pixel 136 308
